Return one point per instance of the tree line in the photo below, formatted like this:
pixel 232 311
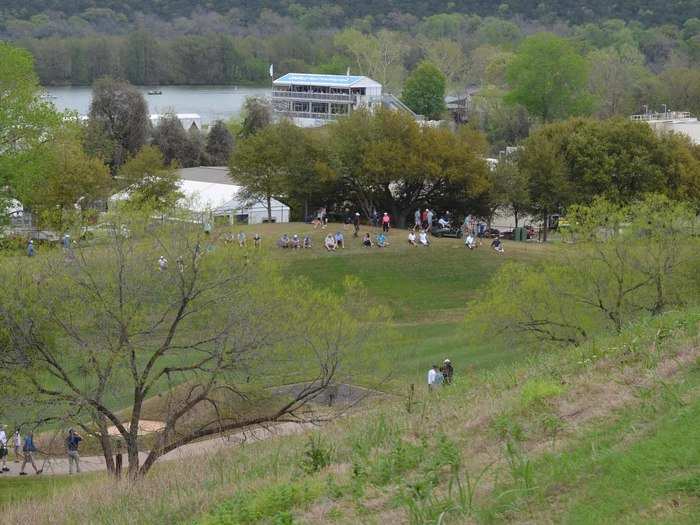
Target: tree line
pixel 313 13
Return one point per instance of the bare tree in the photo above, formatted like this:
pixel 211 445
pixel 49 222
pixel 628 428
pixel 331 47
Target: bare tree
pixel 207 336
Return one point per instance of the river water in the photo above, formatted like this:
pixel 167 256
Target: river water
pixel 210 102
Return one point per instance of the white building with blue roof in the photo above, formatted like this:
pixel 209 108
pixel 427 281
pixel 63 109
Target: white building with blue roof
pixel 312 100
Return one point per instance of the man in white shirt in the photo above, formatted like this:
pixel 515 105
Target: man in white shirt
pixel 3 449
pixel 434 378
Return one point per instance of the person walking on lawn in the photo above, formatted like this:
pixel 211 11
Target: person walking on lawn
pixel 28 450
pixel 72 442
pixel 386 221
pixel 356 225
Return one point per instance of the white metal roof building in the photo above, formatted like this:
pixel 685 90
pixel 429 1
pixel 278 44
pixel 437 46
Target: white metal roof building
pixel 312 100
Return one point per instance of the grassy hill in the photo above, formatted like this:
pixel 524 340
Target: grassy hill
pixel 603 433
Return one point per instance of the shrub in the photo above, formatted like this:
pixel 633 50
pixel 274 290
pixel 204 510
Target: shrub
pixel 317 454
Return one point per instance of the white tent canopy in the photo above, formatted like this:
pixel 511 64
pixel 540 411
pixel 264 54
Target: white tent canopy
pixel 210 190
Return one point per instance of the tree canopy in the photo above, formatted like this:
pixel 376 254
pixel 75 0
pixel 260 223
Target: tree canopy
pixel 549 77
pixel 424 91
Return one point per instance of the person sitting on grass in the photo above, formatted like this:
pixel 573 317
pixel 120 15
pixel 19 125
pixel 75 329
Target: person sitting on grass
pixel 497 245
pixel 381 240
pixel 339 240
pixel 470 242
pixel 423 238
pixel 284 241
pixel 296 242
pixel 367 241
pixel 329 243
pixel 412 238
pixel 307 241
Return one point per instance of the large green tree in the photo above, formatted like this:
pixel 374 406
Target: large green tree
pixel 386 161
pixel 549 77
pixel 27 122
pixel 219 144
pixel 119 115
pixel 424 91
pixel 618 159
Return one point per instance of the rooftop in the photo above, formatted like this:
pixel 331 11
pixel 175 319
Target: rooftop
pixel 211 174
pixel 325 80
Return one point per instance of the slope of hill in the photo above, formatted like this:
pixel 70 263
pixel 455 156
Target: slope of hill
pixel 603 433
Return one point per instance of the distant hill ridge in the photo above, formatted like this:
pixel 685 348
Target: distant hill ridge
pixel 647 11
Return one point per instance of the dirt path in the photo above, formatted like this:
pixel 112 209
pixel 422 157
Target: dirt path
pixel 59 466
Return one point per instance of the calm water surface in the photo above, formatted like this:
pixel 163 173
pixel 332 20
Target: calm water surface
pixel 211 102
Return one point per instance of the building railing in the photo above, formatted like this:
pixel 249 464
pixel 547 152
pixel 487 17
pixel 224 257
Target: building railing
pixel 309 114
pixel 299 95
pixel 668 115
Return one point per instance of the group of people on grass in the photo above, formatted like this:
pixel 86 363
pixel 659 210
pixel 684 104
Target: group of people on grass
pixel 438 376
pixel 25 451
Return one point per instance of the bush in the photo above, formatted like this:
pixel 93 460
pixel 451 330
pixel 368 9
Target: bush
pixel 317 454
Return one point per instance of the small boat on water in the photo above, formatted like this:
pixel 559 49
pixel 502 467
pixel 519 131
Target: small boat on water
pixel 155 92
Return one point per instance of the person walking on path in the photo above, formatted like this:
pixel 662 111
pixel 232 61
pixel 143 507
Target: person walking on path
pixel 28 451
pixel 31 252
pixel 447 371
pixel 72 442
pixel 17 443
pixel 3 449
pixel 386 220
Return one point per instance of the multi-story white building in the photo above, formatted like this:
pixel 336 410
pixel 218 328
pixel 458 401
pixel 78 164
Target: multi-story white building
pixel 676 121
pixel 312 100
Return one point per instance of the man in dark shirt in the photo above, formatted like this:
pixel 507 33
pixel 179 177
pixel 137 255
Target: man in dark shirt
pixel 72 442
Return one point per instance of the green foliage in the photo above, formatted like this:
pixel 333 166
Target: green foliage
pixel 273 503
pixel 178 145
pixel 219 144
pixel 627 261
pixel 317 454
pixel 548 76
pixel 389 162
pixel 536 392
pixel 26 121
pixel 149 182
pixel 118 118
pixel 424 91
pixel 577 160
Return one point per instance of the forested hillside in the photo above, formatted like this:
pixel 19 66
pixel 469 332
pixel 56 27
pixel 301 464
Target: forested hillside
pixel 648 11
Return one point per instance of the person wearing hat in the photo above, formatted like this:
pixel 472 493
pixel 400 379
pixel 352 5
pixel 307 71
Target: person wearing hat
pixel 3 449
pixel 162 263
pixel 447 371
pixel 386 220
pixel 356 224
pixel 72 442
pixel 30 249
